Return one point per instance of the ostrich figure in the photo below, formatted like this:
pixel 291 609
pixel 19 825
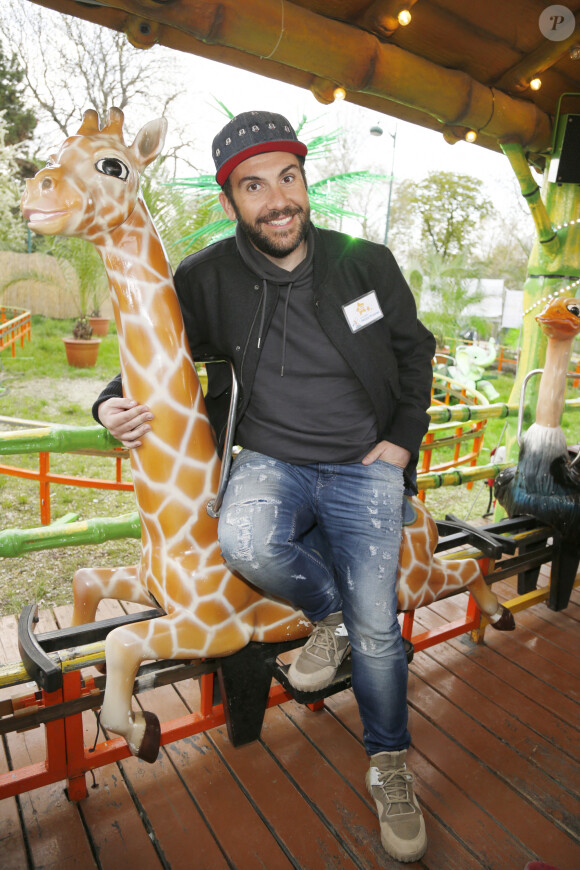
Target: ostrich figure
pixel 545 483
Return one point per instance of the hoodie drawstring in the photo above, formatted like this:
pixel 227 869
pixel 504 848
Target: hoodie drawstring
pixel 284 329
pixel 263 318
pixel 263 314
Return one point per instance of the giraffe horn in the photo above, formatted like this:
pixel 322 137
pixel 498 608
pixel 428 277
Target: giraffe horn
pixel 114 125
pixel 90 123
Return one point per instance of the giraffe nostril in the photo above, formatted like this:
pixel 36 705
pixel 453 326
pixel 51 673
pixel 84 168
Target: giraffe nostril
pixel 46 183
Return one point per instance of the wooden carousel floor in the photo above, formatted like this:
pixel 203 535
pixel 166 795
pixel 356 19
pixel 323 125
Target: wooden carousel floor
pixel 495 751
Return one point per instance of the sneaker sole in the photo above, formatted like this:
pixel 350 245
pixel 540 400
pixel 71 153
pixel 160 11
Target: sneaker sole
pixel 390 849
pixel 310 682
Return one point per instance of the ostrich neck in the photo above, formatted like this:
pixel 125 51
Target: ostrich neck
pixel 552 389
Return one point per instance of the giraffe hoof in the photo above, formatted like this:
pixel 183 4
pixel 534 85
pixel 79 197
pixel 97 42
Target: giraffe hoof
pixel 149 748
pixel 503 620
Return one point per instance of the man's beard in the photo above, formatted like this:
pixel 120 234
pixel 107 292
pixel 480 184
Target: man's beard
pixel 281 246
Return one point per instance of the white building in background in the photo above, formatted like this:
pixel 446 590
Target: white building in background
pixel 501 307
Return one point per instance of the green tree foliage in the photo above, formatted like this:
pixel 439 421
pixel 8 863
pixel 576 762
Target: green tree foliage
pixel 12 227
pixel 20 121
pixel 444 210
pixel 443 292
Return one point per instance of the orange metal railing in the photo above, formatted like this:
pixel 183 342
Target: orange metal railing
pixel 467 435
pixel 471 434
pixel 13 328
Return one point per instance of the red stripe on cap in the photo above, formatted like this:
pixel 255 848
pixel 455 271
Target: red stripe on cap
pixel 292 146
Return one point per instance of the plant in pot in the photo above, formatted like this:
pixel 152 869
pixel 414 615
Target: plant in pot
pixel 100 292
pixel 87 280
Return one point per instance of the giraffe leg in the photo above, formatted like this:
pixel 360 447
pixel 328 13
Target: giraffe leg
pixel 92 585
pixel 499 617
pixel 125 649
pixel 175 636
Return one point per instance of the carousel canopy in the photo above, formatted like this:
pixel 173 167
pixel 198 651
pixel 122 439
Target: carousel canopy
pixel 489 70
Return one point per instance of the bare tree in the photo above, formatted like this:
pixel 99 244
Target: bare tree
pixel 71 65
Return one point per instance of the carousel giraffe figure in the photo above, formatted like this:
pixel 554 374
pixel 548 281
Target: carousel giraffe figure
pixel 90 189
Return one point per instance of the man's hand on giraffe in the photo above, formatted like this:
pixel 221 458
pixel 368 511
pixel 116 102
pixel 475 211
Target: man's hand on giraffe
pixel 126 420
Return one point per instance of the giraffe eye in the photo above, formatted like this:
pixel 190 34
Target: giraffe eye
pixel 112 166
pixel 574 309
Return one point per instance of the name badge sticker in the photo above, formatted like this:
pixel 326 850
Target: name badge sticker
pixel 362 311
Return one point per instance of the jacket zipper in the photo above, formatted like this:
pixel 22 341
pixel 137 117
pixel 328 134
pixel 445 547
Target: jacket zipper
pixel 253 323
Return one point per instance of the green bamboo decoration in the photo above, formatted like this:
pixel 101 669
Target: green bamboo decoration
pixel 56 439
pixel 553 269
pixel 17 542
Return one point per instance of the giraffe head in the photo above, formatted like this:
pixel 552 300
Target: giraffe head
pixel 91 185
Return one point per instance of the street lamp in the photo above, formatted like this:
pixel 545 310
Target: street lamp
pixel 376 130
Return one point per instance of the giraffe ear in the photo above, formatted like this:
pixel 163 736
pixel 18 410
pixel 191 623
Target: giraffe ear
pixel 149 142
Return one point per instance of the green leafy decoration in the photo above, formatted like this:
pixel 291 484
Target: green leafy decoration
pixel 327 196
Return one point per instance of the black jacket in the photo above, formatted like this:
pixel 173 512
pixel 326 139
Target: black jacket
pixel 221 301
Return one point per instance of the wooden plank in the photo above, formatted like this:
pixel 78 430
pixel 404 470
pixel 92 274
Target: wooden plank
pixel 12 846
pixel 46 809
pixel 535 733
pixel 504 809
pixel 335 744
pixel 244 838
pixel 47 814
pixel 172 815
pixel 556 627
pixel 555 675
pixel 273 794
pixel 346 809
pixel 500 662
pixel 116 830
pixel 532 801
pixel 457 810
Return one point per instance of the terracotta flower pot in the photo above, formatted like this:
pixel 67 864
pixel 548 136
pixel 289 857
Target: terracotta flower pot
pixel 99 325
pixel 82 352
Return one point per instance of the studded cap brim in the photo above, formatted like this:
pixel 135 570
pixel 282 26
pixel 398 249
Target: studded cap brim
pixel 291 146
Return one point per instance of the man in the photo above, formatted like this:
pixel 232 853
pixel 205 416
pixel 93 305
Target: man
pixel 335 377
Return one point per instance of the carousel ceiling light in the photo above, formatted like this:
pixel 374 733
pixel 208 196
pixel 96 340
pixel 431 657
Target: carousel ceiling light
pixel 404 17
pixel 339 93
pixel 471 136
pixel 536 84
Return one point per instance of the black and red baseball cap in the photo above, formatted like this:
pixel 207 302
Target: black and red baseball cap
pixel 252 133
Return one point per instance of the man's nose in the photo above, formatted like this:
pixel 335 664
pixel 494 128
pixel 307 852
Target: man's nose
pixel 278 198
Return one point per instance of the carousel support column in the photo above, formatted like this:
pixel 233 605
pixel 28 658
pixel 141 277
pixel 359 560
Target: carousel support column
pixel 545 261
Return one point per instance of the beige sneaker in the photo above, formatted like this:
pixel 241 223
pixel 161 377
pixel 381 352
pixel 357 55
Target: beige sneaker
pixel 402 825
pixel 319 659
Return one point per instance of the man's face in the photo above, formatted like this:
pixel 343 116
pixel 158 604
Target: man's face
pixel 270 203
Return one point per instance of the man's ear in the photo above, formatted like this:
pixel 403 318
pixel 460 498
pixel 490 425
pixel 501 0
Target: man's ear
pixel 227 206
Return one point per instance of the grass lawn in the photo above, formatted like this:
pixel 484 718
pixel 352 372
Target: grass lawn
pixel 38 384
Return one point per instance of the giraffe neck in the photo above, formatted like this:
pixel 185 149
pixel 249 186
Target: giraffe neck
pixel 157 367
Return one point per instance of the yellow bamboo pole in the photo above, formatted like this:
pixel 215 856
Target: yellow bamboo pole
pixel 331 53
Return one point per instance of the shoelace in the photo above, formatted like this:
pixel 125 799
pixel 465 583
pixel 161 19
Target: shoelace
pixel 395 786
pixel 323 643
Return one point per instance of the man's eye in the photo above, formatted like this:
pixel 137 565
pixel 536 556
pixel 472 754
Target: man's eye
pixel 288 179
pixel 112 166
pixel 253 187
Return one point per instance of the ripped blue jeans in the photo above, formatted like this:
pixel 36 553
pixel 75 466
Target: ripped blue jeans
pixel 327 538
